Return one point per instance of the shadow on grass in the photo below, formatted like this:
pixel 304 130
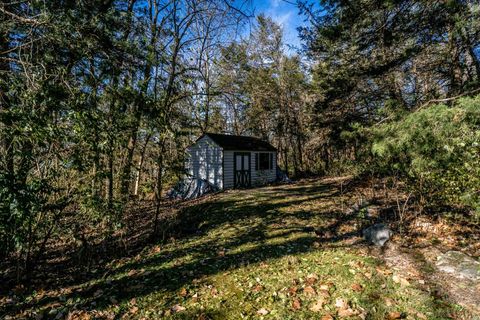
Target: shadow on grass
pixel 190 225
pixel 197 254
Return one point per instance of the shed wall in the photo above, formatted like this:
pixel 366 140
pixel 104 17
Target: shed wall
pixel 258 177
pixel 205 161
pixel 261 177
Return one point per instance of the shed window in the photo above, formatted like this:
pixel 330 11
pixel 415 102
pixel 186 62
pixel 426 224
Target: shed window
pixel 264 161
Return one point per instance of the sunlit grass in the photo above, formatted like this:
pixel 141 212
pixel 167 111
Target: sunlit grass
pixel 254 257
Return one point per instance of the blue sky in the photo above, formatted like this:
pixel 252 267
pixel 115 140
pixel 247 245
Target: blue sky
pixel 284 13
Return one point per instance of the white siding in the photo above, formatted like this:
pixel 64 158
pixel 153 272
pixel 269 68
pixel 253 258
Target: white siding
pixel 258 177
pixel 205 161
pixel 262 177
pixel 228 168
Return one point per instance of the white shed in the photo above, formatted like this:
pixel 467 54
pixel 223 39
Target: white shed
pixel 229 161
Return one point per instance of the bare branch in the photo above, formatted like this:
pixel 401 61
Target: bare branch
pixel 19 18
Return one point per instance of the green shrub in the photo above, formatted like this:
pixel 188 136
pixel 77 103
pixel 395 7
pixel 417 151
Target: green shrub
pixel 436 150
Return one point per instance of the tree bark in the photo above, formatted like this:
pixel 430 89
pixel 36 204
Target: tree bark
pixel 140 164
pixel 159 186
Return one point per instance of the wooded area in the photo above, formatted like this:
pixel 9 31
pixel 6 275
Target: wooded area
pixel 99 99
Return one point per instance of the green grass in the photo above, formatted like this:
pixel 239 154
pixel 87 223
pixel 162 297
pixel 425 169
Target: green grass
pixel 245 251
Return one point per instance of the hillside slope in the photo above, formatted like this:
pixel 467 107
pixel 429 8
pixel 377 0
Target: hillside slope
pixel 281 252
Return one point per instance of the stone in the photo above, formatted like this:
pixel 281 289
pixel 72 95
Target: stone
pixel 459 265
pixel 377 234
pixel 372 212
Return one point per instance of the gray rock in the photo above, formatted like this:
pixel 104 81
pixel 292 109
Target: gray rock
pixel 356 207
pixel 377 234
pixel 459 264
pixel 372 212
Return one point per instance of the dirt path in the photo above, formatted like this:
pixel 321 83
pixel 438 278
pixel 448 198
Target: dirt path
pixel 417 266
pixel 412 256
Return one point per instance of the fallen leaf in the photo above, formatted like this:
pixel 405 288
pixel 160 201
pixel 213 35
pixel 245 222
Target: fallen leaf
pixel 39 295
pixel 341 303
pixel 394 315
pixel 362 314
pixel 345 313
pixel 343 309
pixel 296 305
pixel 177 308
pixel 292 291
pixel 357 287
pixel 214 292
pixel 155 249
pixel 79 315
pixel 309 291
pixel 312 278
pixel 398 279
pixel 133 309
pixel 327 317
pixel 262 311
pixel 257 288
pixel 324 293
pixel 385 272
pixel 327 286
pixel 202 316
pixel 183 292
pixel 356 264
pixel 318 305
pixel 389 302
pixel 131 272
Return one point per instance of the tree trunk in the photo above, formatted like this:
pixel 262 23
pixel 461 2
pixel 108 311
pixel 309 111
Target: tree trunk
pixel 471 53
pixel 127 169
pixel 159 187
pixel 300 152
pixel 111 151
pixel 295 160
pixel 110 180
pixel 453 66
pixel 125 176
pixel 7 140
pixel 140 164
pixel 285 158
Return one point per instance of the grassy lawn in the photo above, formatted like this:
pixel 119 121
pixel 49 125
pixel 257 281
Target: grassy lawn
pixel 251 254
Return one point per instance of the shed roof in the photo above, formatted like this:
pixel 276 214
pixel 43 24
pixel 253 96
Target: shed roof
pixel 231 142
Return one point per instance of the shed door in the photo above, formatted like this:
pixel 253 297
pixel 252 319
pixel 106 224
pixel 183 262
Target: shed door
pixel 242 172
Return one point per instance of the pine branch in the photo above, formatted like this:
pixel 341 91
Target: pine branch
pixel 447 99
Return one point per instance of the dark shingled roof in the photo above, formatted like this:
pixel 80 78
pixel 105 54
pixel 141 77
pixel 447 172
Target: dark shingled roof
pixel 231 142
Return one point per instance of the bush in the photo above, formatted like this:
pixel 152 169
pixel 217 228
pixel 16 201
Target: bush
pixel 437 151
